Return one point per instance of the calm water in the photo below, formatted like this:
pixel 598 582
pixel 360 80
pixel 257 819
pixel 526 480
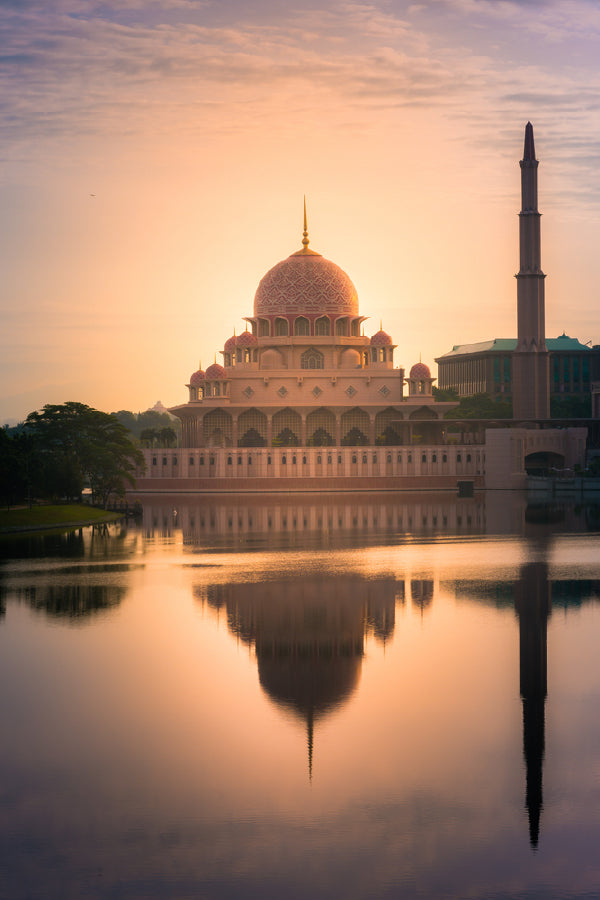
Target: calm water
pixel 355 698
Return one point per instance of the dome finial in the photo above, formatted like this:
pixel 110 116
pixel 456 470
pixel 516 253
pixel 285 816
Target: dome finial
pixel 305 240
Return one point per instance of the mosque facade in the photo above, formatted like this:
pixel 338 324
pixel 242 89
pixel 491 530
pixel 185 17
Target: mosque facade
pixel 302 399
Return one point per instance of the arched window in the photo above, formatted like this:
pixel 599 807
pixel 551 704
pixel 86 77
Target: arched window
pixel 287 428
pixel 388 429
pixel 355 328
pixel 263 328
pixel 341 327
pixel 355 428
pixel 301 326
pixel 282 328
pixel 312 359
pixel 320 428
pixel 216 429
pixel 252 429
pixel 323 326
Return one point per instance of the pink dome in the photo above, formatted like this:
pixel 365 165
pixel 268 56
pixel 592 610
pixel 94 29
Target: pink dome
pixel 381 339
pixel 230 344
pixel 305 282
pixel 216 371
pixel 197 378
pixel 420 370
pixel 247 339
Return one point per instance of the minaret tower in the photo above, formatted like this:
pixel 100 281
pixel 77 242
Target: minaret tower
pixel 531 395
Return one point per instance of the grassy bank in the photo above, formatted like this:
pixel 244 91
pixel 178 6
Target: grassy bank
pixel 39 518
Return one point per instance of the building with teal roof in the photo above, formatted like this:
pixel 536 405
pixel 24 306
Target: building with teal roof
pixel 486 367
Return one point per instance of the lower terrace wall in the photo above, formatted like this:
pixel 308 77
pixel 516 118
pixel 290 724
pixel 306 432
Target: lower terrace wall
pixel 312 469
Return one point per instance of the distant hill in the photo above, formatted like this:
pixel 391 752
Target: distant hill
pixel 158 417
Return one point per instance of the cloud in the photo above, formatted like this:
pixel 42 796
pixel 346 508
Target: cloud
pixel 131 69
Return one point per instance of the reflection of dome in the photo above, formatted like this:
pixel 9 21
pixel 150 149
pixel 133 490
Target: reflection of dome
pixel 309 685
pixel 247 339
pixel 216 371
pixel 230 344
pixel 381 339
pixel 420 370
pixel 197 378
pixel 306 282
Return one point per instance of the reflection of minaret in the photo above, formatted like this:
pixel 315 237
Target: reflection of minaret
pixel 421 593
pixel 533 607
pixel 531 399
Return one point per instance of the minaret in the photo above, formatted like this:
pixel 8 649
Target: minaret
pixel 531 395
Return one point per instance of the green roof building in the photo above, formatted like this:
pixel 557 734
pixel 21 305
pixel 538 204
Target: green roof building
pixel 487 367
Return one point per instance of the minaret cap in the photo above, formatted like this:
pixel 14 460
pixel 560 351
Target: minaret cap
pixel 529 149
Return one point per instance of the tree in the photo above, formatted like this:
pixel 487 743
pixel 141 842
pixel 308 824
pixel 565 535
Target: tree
pixel 444 394
pixel 77 445
pixel 568 407
pixel 167 436
pixel 148 437
pixel 480 406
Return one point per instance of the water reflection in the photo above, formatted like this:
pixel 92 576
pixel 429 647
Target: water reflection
pixel 92 583
pixel 533 606
pixel 336 709
pixel 247 522
pixel 308 636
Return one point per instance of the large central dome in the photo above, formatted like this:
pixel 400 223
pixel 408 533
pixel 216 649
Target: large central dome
pixel 306 282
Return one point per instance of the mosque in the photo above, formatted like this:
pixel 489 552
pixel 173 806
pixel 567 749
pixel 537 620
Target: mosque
pixel 303 400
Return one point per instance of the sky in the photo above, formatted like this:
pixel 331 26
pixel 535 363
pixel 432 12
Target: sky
pixel 154 158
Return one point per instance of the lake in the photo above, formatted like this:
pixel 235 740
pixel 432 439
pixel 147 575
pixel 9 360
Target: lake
pixel 304 697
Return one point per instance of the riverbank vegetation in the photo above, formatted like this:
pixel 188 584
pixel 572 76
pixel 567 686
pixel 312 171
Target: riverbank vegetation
pixel 52 516
pixel 64 449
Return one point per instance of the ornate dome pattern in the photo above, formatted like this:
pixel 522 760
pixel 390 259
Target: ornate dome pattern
pixel 420 370
pixel 230 344
pixel 197 378
pixel 247 339
pixel 381 339
pixel 216 371
pixel 306 282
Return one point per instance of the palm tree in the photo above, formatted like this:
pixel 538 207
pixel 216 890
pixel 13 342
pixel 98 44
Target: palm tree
pixel 148 436
pixel 167 436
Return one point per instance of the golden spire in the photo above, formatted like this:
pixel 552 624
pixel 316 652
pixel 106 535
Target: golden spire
pixel 305 240
pixel 381 324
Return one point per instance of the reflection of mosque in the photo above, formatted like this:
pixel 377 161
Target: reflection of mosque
pixel 243 521
pixel 308 635
pixel 534 595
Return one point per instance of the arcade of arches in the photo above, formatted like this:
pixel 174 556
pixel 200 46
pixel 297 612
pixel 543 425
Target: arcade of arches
pixel 319 427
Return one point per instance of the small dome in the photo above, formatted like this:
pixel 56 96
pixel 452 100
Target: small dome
pixel 381 339
pixel 420 370
pixel 216 371
pixel 197 378
pixel 230 344
pixel 247 339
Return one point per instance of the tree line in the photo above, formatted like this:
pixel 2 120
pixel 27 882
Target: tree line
pixel 62 450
